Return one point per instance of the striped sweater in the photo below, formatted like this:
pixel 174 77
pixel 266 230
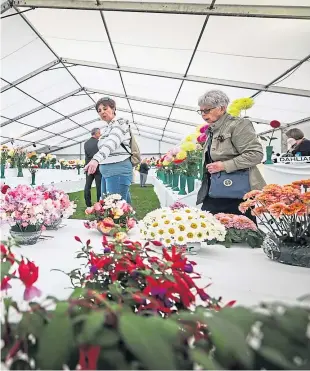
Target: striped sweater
pixel 110 150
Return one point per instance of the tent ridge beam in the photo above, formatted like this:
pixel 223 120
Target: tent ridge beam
pixel 257 11
pixel 190 78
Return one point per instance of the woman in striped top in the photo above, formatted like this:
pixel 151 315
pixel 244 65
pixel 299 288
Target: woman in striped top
pixel 113 160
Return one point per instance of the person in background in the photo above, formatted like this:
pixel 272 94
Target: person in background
pixel 298 143
pixel 91 148
pixel 113 157
pixel 144 170
pixel 232 151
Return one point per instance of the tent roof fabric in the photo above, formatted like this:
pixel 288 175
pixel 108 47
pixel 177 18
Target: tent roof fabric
pixel 154 58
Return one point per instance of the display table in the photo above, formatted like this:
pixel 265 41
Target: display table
pixel 238 273
pixel 167 197
pixel 285 173
pixel 66 180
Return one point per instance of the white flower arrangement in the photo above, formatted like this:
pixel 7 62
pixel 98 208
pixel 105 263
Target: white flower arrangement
pixel 181 226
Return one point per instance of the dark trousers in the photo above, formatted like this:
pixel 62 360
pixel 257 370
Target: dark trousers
pixel 87 190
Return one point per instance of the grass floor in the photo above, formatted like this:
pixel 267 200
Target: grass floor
pixel 144 200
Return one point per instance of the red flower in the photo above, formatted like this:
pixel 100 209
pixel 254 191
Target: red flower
pixel 5 253
pixel 28 274
pixel 4 189
pixel 89 357
pixel 5 283
pixel 275 124
pixel 77 239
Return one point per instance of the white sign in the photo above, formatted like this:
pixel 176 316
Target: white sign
pixel 295 159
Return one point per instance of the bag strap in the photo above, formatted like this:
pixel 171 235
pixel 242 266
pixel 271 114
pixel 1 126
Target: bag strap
pixel 123 145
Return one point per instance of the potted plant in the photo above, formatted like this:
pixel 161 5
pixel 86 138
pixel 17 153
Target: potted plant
pixel 111 215
pixel 23 208
pixel 186 227
pixel 4 157
pixel 239 229
pixel 57 206
pixel 284 212
pixel 19 159
pixel 53 161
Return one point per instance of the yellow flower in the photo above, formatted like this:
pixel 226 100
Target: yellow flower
pixel 234 111
pixel 181 155
pixel 180 239
pixel 178 218
pixel 166 163
pixel 171 230
pixel 194 226
pixel 120 236
pixel 182 227
pixel 11 152
pixel 155 225
pixel 117 213
pixel 188 146
pixel 161 231
pixel 190 137
pixel 190 235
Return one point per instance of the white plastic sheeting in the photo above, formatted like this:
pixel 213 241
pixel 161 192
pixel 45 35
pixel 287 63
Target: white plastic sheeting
pixel 57 62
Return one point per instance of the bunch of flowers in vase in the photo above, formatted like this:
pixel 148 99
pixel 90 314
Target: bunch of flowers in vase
pixel 33 165
pixel 3 159
pixel 239 228
pixel 42 160
pixel 53 161
pixel 284 212
pixel 23 208
pixel 20 156
pixel 185 227
pixel 11 158
pixel 79 165
pixel 57 206
pixel 111 215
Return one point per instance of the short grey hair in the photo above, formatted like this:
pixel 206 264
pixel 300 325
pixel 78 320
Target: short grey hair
pixel 94 131
pixel 295 133
pixel 213 98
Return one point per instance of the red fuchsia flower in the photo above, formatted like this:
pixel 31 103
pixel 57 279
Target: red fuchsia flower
pixel 275 124
pixel 5 253
pixel 5 283
pixel 89 357
pixel 97 262
pixel 177 162
pixel 28 274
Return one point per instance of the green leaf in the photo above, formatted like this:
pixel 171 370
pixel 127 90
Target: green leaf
pixel 92 325
pixel 77 293
pixel 146 338
pixel 275 357
pixel 9 302
pixel 5 267
pixel 263 138
pixel 56 341
pixel 31 323
pixel 204 360
pixel 107 338
pixel 229 341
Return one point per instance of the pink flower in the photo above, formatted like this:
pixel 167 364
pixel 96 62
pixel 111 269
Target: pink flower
pixel 131 223
pixel 89 210
pixel 204 129
pixel 97 206
pixel 31 292
pixel 175 151
pixel 202 138
pixel 126 207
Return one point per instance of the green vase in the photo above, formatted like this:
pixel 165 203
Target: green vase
pixel 170 179
pixel 175 182
pixel 33 179
pixel 200 170
pixel 53 166
pixel 79 171
pixel 182 185
pixel 190 184
pixel 2 171
pixel 20 172
pixel 165 179
pixel 269 155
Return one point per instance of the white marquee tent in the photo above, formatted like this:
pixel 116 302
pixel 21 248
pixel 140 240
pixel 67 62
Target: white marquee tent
pixel 155 59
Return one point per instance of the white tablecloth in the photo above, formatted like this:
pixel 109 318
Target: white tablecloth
pixel 167 197
pixel 285 173
pixel 66 180
pixel 239 273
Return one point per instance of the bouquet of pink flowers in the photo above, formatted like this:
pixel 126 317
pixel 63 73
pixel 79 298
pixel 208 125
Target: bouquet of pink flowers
pixel 59 201
pixel 240 229
pixel 111 215
pixel 23 208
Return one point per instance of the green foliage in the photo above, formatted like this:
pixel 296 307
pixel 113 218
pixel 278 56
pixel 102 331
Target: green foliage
pixel 253 238
pixel 273 336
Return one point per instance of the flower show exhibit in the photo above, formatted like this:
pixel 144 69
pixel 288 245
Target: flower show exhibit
pixel 126 274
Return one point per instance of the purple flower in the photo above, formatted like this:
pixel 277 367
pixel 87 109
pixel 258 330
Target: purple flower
pixel 160 291
pixel 168 303
pixel 93 269
pixel 107 250
pixel 188 268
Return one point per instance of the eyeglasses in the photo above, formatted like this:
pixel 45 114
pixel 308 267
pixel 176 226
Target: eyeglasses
pixel 205 111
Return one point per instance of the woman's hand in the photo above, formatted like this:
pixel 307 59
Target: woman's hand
pixel 91 167
pixel 215 167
